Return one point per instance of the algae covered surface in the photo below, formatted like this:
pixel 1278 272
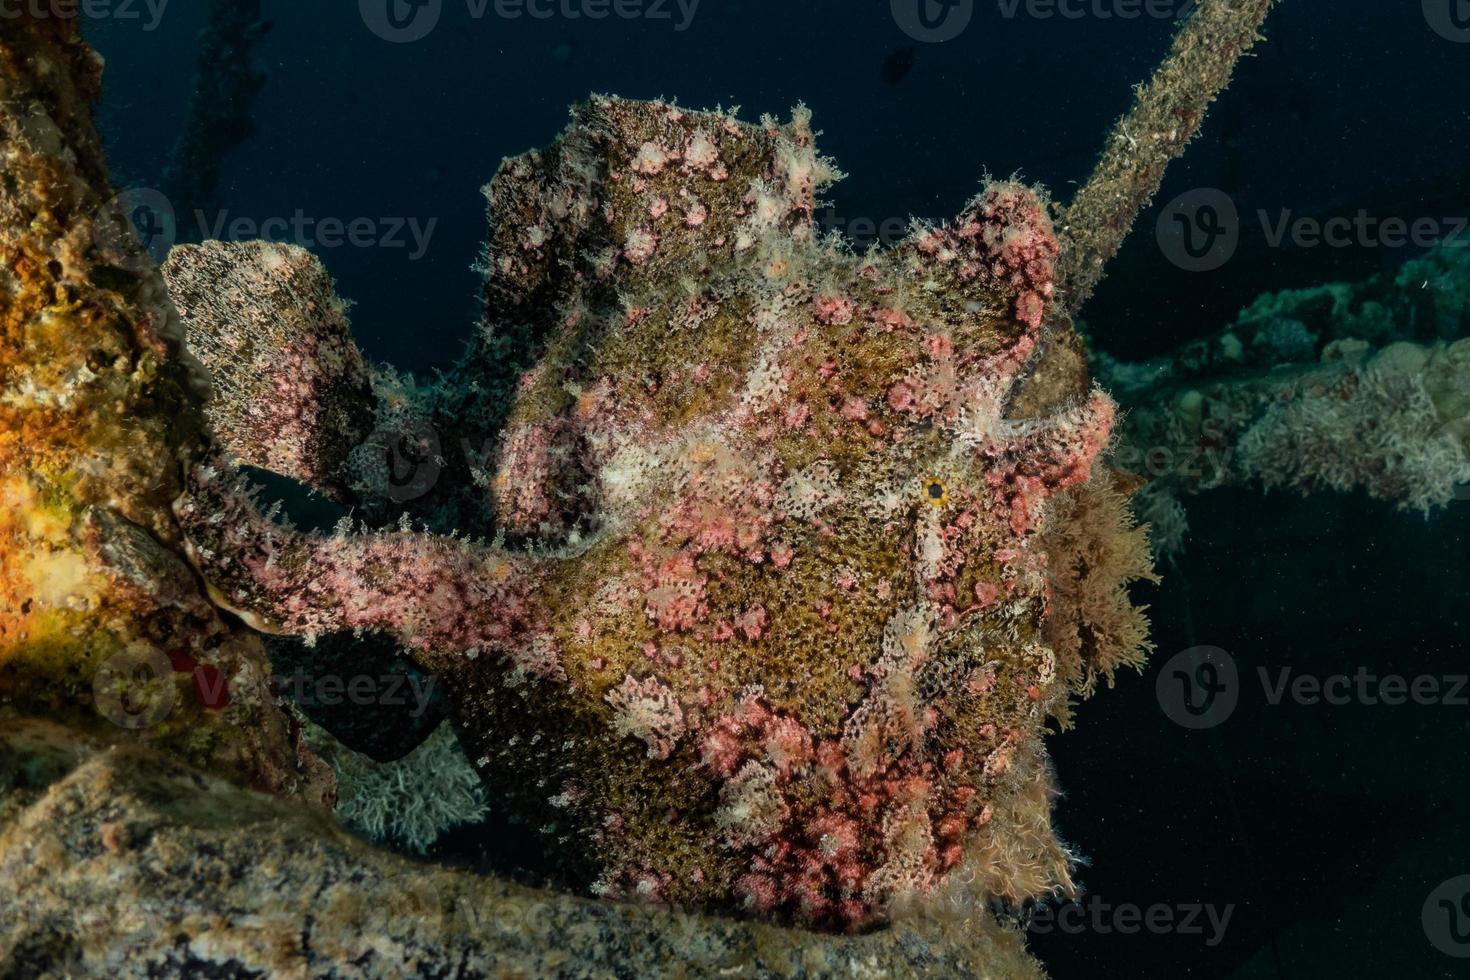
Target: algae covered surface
pixel 729 591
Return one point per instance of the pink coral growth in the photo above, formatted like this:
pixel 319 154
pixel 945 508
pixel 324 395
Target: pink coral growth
pixel 1004 237
pixel 647 710
pixel 529 475
pixel 814 564
pixel 438 596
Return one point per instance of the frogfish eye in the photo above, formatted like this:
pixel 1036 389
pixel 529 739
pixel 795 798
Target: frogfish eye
pixel 934 492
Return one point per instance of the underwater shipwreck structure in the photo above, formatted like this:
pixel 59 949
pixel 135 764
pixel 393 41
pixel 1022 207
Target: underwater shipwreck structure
pixel 752 569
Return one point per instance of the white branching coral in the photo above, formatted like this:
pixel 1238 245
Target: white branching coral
pixel 410 802
pixel 647 710
pixel 1377 429
pixel 751 808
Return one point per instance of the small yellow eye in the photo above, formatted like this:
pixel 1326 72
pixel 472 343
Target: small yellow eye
pixel 935 493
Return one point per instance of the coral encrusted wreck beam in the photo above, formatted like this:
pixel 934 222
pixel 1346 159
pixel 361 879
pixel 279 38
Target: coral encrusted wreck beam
pixel 104 856
pixel 1167 113
pixel 219 116
pixel 1340 387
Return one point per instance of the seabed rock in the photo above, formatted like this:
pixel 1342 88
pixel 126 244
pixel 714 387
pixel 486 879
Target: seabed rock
pixel 115 861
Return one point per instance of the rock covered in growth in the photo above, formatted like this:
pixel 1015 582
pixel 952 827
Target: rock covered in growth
pixel 290 895
pixel 292 393
pixel 99 416
pixel 789 652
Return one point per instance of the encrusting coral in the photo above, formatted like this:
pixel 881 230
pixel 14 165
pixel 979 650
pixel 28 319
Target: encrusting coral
pixel 791 652
pixel 796 550
pixel 1342 387
pixel 780 631
pixel 100 619
pixel 1394 426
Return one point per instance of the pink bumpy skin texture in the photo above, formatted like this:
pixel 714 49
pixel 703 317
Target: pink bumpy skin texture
pixel 781 643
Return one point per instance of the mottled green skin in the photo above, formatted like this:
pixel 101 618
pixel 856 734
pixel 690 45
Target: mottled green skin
pixel 776 627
